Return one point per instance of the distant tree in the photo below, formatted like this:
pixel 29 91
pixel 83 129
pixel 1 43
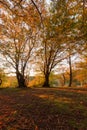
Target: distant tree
pixel 81 73
pixel 2 76
pixel 37 81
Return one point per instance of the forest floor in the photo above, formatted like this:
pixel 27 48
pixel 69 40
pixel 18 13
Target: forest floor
pixel 43 109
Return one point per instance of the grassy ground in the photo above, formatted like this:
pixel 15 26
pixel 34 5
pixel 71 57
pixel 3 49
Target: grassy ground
pixel 43 109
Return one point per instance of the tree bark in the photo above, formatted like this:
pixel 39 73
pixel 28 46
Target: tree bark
pixel 21 80
pixel 46 81
pixel 64 79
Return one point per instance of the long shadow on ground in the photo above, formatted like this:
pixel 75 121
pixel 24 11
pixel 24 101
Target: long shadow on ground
pixel 42 109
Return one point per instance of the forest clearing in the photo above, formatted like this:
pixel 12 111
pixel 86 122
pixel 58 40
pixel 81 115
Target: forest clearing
pixel 43 109
pixel 43 64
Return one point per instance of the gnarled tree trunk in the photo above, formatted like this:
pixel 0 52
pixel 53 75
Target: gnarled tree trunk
pixel 21 80
pixel 46 81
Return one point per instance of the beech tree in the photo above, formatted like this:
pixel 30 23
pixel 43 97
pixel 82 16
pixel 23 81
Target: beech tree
pixel 52 48
pixel 61 30
pixel 17 43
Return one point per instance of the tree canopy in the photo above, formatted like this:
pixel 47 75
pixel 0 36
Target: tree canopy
pixel 33 33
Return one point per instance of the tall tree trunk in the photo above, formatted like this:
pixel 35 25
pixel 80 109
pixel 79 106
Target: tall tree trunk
pixel 64 79
pixel 46 81
pixel 70 72
pixel 21 80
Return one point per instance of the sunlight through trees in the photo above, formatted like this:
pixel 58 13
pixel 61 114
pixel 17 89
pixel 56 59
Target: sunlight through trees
pixel 41 35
